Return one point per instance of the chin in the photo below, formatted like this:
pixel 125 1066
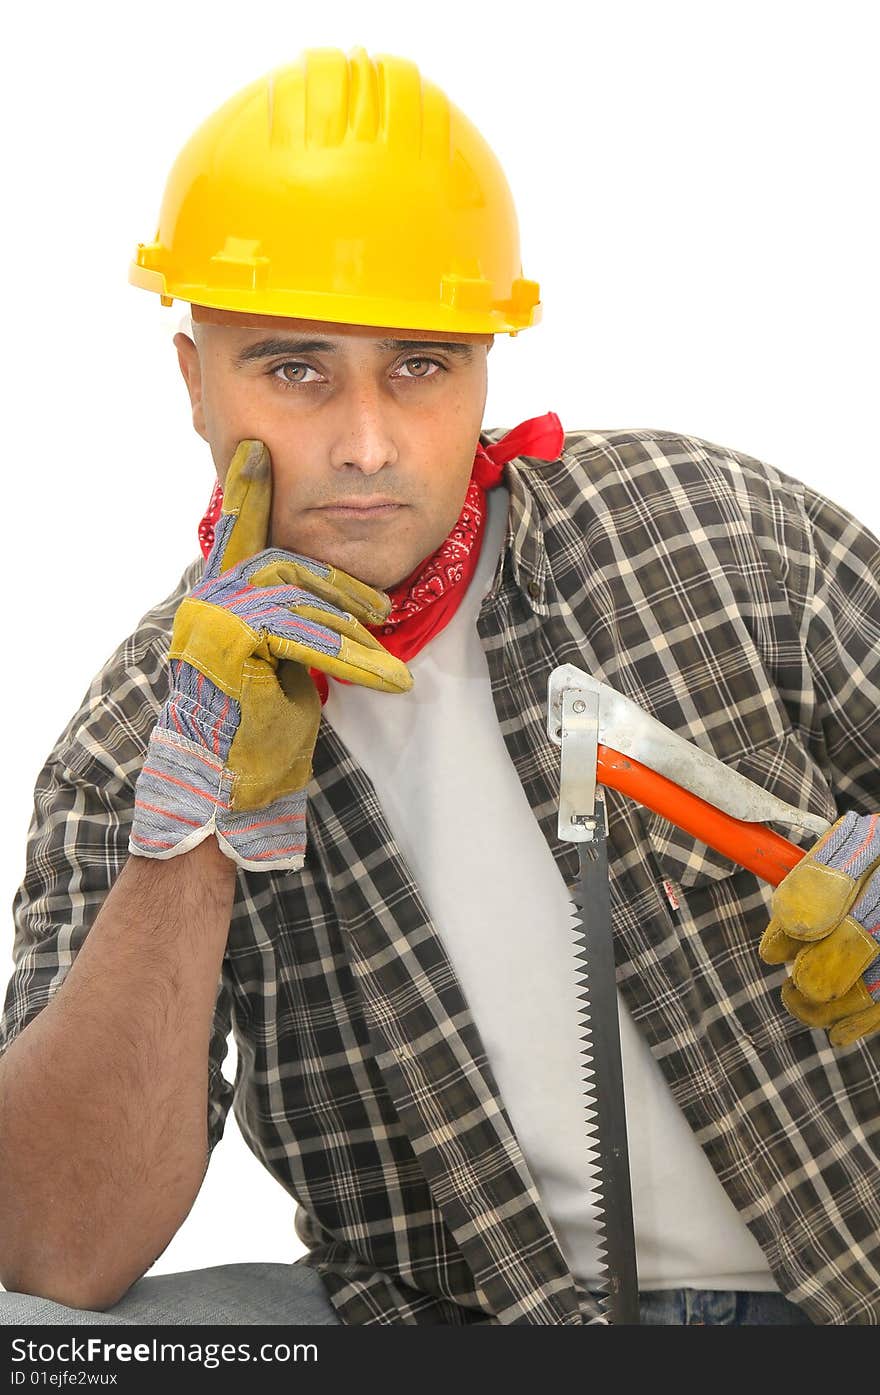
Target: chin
pixel 381 578
pixel 361 559
pixel 368 576
pixel 382 582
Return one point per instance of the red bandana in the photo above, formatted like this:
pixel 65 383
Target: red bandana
pixel 425 601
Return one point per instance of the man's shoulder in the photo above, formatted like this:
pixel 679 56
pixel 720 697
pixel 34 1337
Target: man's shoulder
pixel 154 626
pixel 653 453
pixel 665 472
pixel 149 640
pixel 634 489
pixel 109 731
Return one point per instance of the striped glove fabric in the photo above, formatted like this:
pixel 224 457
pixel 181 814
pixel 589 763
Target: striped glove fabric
pixel 826 924
pixel 231 752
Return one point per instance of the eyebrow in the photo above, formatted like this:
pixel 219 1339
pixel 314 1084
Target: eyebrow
pixel 267 348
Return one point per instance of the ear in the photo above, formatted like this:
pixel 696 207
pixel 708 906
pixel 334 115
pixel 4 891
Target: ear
pixel 191 368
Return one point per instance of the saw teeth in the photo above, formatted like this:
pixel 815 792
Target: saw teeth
pixel 603 1208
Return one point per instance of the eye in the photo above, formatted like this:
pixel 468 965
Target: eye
pixel 285 381
pixel 281 376
pixel 421 359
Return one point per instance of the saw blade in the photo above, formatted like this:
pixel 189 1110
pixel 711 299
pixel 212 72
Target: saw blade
pixel 603 1078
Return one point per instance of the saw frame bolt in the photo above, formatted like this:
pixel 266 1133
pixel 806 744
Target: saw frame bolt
pixel 578 705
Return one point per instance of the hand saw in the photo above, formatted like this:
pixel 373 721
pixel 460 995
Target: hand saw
pixel 606 739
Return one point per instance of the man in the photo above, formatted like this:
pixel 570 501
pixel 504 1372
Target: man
pixel 311 799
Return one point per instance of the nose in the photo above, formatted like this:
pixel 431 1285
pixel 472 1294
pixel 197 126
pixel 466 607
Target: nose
pixel 364 441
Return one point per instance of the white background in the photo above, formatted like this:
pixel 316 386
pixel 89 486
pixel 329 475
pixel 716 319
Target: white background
pixel 697 193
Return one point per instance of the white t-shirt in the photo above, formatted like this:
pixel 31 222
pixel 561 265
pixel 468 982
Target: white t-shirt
pixel 460 816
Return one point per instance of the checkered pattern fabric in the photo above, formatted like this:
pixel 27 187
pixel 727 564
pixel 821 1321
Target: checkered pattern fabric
pixel 740 609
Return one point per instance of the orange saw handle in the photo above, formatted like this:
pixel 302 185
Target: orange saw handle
pixel 752 845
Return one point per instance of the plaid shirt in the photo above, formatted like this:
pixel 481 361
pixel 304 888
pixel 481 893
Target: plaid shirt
pixel 743 611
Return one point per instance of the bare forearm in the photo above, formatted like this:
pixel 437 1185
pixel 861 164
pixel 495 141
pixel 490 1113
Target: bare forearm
pixel 103 1097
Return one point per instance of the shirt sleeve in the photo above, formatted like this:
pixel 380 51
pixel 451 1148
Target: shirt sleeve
pixel 841 628
pixel 77 842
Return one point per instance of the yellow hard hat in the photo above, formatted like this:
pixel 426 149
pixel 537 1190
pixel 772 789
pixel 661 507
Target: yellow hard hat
pixel 342 189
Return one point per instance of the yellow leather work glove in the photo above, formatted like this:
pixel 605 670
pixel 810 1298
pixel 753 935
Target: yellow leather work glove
pixel 231 752
pixel 826 925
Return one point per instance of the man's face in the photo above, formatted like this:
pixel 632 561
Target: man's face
pixel 349 418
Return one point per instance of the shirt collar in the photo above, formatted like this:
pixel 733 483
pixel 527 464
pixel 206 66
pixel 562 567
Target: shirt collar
pixel 524 540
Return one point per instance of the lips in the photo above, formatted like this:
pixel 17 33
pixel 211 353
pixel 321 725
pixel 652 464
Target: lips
pixel 368 511
pixel 363 504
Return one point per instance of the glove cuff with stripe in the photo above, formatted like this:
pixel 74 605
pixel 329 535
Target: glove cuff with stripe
pixel 184 791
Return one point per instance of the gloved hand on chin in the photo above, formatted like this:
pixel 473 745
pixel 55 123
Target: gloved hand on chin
pixel 231 751
pixel 826 925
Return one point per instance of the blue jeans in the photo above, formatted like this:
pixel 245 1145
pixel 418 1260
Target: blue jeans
pixel 693 1307
pixel 292 1294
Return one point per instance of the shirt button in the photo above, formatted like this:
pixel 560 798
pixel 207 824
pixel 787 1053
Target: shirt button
pixel 534 590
